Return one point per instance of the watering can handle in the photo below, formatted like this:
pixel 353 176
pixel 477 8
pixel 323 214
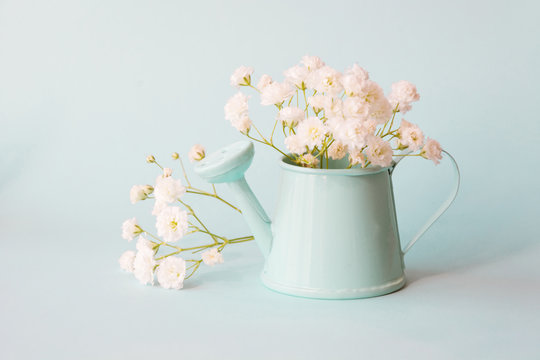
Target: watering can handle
pixel 443 207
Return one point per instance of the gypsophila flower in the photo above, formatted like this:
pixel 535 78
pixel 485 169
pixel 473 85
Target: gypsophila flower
pixel 312 63
pixel 325 80
pixel 264 81
pixel 236 111
pixel 276 93
pixel 143 267
pixel 143 244
pixel 403 93
pixel 158 207
pixel 126 261
pixel 297 76
pixel 172 223
pixel 318 102
pixel 410 135
pixel 212 257
pixel 167 172
pixel 168 189
pixel 308 160
pixel 432 151
pixel 140 192
pixel 171 273
pixel 354 134
pixel 337 150
pixel 196 153
pixel 355 108
pixel 354 81
pixel 357 157
pixel 379 152
pixel 295 144
pixel 312 132
pixel 290 116
pixel 241 76
pixel 130 229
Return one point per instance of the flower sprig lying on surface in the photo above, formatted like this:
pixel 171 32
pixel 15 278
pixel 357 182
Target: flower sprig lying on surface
pixel 325 114
pixel 156 255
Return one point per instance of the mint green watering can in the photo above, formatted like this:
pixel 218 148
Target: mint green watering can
pixel 335 233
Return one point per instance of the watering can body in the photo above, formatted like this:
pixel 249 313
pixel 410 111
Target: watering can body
pixel 334 234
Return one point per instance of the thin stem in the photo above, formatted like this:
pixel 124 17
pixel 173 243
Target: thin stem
pixel 192 190
pixel 184 171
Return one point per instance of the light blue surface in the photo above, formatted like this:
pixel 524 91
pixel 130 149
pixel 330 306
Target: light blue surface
pixel 89 88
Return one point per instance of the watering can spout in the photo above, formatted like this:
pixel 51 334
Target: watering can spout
pixel 228 165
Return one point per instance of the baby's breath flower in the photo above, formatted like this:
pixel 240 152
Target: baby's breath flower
pixel 126 261
pixel 410 135
pixel 143 267
pixel 308 160
pixel 196 153
pixel 172 223
pixel 432 151
pixel 379 152
pixel 140 192
pixel 171 272
pixel 130 229
pixel 242 76
pixel 212 257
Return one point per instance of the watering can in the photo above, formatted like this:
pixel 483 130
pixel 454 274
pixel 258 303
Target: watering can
pixel 335 232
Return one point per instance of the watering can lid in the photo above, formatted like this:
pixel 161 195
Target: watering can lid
pixel 232 161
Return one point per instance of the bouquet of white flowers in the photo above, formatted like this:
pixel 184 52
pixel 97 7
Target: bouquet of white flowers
pixel 325 114
pixel 156 255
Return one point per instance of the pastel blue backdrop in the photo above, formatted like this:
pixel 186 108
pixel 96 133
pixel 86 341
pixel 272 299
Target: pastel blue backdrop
pixel 89 88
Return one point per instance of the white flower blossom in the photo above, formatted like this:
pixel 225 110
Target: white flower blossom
pixel 354 81
pixel 236 111
pixel 143 267
pixel 212 257
pixel 319 102
pixel 290 116
pixel 355 108
pixel 143 244
pixel 130 229
pixel 241 76
pixel 276 93
pixel 410 135
pixel 126 261
pixel 140 192
pixel 264 81
pixel 357 157
pixel 432 151
pixel 308 160
pixel 354 134
pixel 337 150
pixel 297 76
pixel 379 152
pixel 172 223
pixel 168 189
pixel 312 63
pixel 312 132
pixel 325 80
pixel 403 93
pixel 196 153
pixel 381 111
pixel 167 172
pixel 171 272
pixel 158 207
pixel 295 144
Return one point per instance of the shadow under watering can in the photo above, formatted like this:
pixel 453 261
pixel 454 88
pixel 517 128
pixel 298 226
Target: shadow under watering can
pixel 335 232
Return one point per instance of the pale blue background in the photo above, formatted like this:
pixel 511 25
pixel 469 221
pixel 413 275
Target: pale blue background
pixel 89 88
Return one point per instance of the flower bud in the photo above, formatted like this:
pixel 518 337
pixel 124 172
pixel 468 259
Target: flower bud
pixel 196 153
pixel 167 172
pixel 150 159
pixel 175 156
